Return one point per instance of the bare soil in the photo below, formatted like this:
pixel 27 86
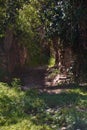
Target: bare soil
pixel 44 79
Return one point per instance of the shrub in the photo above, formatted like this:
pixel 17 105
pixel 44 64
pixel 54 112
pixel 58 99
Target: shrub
pixel 16 82
pixel 32 103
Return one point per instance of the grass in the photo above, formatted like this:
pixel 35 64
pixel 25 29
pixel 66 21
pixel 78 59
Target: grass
pixel 13 112
pixel 51 62
pixel 69 108
pixel 31 110
pixel 73 96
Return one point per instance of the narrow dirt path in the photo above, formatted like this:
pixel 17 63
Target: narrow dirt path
pixel 38 78
pixel 35 77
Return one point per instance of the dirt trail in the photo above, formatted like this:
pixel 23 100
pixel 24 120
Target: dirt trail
pixel 35 77
pixel 38 78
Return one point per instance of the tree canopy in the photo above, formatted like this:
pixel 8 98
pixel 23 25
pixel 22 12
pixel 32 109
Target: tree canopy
pixel 63 22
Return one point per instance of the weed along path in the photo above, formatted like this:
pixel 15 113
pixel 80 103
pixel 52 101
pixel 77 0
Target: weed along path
pixel 44 78
pixel 66 104
pixel 50 108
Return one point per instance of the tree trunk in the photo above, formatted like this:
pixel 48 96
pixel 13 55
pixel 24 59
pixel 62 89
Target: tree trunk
pixel 59 54
pixel 16 54
pixel 8 41
pixel 80 69
pixel 80 66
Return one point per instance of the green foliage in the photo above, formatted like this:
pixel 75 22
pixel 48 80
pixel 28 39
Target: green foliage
pixel 12 10
pixel 13 104
pixel 67 109
pixel 2 17
pixel 62 19
pixel 32 103
pixel 30 110
pixel 28 18
pixel 51 61
pixel 9 12
pixel 28 23
pixel 16 82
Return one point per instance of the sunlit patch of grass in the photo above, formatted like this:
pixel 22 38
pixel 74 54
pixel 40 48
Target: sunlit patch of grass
pixel 51 62
pixel 68 108
pixel 81 91
pixel 52 72
pixel 71 96
pixel 25 124
pixel 17 109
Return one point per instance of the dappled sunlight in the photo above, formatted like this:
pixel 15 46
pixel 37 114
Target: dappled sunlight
pixel 64 98
pixel 43 65
pixel 37 110
pixel 17 107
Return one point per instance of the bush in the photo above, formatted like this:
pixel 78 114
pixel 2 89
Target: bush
pixel 32 103
pixel 14 103
pixel 16 82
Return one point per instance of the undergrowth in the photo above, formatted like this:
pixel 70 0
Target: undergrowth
pixel 31 110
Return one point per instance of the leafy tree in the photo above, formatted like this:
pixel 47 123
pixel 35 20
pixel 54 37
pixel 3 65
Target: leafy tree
pixel 8 21
pixel 2 17
pixel 64 22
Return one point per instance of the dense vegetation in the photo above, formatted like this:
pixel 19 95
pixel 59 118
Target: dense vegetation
pixel 45 29
pixel 48 33
pixel 32 110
